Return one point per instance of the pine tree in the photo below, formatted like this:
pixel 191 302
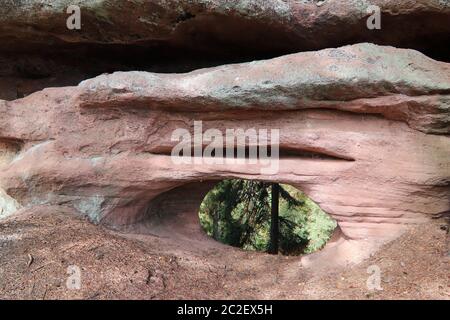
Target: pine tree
pixel 274 219
pixel 257 203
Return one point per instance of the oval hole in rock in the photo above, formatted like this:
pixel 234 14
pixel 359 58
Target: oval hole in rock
pixel 240 213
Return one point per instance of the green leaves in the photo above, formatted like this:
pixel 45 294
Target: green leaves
pixel 237 212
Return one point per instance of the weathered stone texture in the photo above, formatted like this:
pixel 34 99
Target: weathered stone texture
pixel 375 118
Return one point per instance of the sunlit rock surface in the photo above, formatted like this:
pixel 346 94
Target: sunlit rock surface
pixel 364 131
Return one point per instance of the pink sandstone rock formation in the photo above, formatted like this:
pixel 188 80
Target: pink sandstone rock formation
pixel 208 24
pixel 38 50
pixel 364 132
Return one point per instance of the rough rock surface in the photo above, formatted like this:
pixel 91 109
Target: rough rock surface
pixel 38 51
pixel 264 24
pixel 364 131
pixel 123 266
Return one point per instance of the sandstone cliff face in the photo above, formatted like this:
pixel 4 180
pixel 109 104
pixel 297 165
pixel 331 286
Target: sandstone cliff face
pixel 376 119
pixel 364 129
pixel 208 24
pixel 38 51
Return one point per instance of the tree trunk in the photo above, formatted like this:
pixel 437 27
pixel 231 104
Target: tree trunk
pixel 274 219
pixel 215 229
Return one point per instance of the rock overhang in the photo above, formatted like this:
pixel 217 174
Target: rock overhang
pixel 102 147
pixel 364 128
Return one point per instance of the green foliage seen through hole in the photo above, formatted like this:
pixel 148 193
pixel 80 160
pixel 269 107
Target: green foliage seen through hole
pixel 238 213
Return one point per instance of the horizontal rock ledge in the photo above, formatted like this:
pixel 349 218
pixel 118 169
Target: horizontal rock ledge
pixel 378 116
pixel 253 26
pixel 398 84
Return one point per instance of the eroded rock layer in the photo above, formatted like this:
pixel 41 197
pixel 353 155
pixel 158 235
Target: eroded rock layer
pixel 364 131
pixel 209 24
pixel 39 51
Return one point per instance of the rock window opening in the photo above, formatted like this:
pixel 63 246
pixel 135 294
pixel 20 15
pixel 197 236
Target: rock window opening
pixel 265 216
